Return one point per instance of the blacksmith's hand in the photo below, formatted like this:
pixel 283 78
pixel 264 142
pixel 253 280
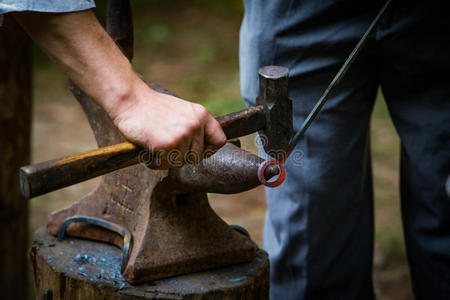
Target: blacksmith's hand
pixel 176 129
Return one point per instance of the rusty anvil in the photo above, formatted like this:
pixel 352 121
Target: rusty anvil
pixel 161 218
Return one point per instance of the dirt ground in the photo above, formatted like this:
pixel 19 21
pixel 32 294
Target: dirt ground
pixel 193 52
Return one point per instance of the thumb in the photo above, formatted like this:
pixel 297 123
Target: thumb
pixel 214 134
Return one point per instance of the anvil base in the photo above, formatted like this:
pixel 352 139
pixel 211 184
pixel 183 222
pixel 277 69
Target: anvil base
pixel 83 269
pixel 176 234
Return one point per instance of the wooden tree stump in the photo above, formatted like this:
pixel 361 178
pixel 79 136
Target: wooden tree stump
pixel 82 269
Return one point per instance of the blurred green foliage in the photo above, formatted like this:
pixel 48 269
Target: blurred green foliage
pixel 157 32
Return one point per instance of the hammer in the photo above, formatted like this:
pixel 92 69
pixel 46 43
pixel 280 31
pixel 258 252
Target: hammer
pixel 271 117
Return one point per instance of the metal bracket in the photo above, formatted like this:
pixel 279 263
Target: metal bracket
pixel 125 233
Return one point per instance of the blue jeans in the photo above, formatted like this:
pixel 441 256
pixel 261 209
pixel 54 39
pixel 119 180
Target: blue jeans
pixel 319 226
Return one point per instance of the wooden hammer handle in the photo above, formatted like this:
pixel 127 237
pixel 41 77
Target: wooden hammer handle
pixel 54 174
pixel 51 175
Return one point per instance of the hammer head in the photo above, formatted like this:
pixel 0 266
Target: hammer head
pixel 273 95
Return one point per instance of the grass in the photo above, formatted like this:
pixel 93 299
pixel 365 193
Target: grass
pixel 391 274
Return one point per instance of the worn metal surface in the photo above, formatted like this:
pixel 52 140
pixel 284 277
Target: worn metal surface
pixel 82 269
pixel 174 229
pixel 274 96
pixel 51 175
pixel 272 118
pixel 230 170
pixel 124 233
pixel 173 233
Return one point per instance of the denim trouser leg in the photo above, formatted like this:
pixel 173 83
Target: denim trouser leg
pixel 319 225
pixel 414 52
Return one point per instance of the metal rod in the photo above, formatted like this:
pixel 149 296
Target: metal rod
pixel 337 78
pixel 122 231
pixel 322 100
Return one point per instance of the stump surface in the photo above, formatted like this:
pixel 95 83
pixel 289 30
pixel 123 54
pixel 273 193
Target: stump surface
pixel 82 269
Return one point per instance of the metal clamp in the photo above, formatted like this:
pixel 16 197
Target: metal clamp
pixel 125 233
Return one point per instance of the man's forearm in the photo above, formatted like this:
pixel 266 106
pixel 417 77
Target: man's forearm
pixel 82 48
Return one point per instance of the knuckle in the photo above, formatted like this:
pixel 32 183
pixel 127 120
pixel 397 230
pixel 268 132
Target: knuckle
pixel 183 134
pixel 201 111
pixel 165 144
pixel 194 125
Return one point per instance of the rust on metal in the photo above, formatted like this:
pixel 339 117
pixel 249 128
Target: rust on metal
pixel 74 268
pixel 230 170
pixel 122 231
pixel 274 95
pixel 272 118
pixel 51 175
pixel 173 228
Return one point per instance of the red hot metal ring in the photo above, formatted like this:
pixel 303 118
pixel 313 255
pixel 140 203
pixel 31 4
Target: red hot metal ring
pixel 262 169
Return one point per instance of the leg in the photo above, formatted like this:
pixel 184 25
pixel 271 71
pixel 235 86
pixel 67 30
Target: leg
pixel 319 224
pixel 414 63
